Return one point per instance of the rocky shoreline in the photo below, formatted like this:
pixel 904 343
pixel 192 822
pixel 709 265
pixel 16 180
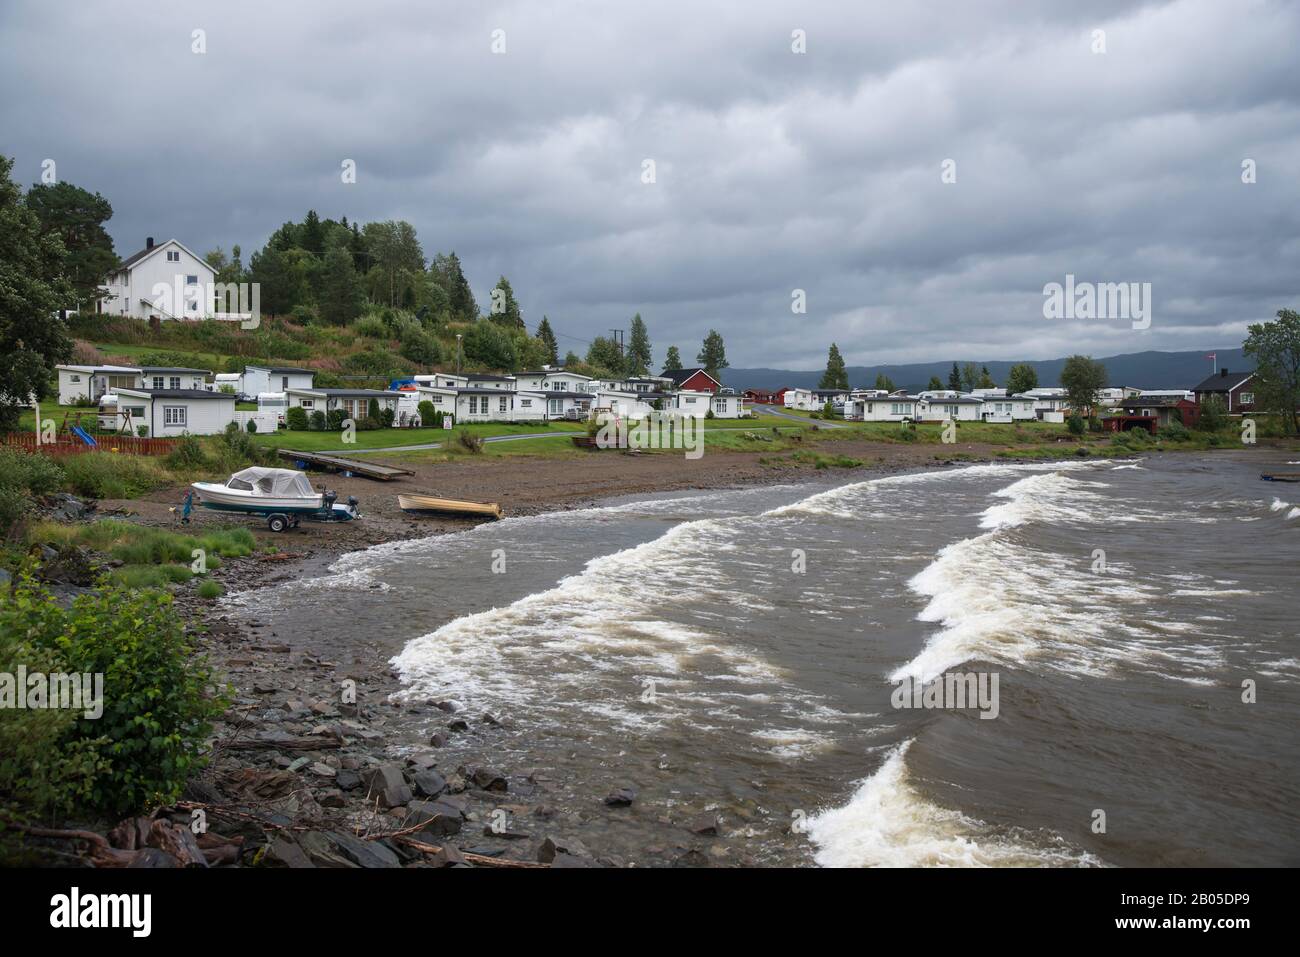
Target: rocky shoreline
pixel 314 764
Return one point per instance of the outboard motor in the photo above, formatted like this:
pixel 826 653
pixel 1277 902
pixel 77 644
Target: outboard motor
pixel 330 496
pixel 352 504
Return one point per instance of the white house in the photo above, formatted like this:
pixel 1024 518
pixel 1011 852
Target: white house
pixel 626 405
pixel 691 402
pixel 1050 404
pixel 259 379
pixel 800 399
pixel 136 287
pixel 552 380
pixel 355 403
pixel 575 405
pixel 727 405
pixel 172 412
pixel 1112 397
pixel 891 408
pixel 167 377
pixel 480 380
pixel 486 405
pixel 88 383
pixel 959 408
pixel 1016 408
pixel 442 380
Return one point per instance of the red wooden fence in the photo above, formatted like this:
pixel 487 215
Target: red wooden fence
pixel 65 445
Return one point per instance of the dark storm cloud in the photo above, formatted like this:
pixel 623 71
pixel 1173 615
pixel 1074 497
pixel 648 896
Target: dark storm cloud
pixel 775 171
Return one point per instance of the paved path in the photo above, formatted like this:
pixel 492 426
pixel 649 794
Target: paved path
pixel 782 414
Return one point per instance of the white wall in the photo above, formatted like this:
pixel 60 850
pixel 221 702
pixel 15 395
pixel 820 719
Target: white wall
pixel 257 380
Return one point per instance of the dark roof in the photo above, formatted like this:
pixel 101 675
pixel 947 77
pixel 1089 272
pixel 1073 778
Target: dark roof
pixel 552 372
pixel 350 393
pixel 174 369
pixel 473 391
pixel 1223 381
pixel 681 375
pixel 551 394
pixel 282 369
pixel 186 394
pixel 487 376
pixel 136 257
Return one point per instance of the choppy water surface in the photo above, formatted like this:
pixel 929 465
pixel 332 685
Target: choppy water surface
pixel 670 644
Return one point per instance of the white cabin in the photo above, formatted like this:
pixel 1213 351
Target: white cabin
pixel 88 383
pixel 259 379
pixel 171 412
pixel 800 399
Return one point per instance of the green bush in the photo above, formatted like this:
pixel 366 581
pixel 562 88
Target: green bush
pixel 1175 432
pixel 37 473
pixel 469 442
pixel 334 420
pixel 316 421
pixel 1214 413
pixel 111 475
pixel 427 413
pixel 142 431
pixel 251 426
pixel 1076 425
pixel 188 454
pixel 13 506
pixel 235 449
pixel 295 417
pixel 387 417
pixel 156 705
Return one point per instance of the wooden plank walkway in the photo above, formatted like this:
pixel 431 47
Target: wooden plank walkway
pixel 384 473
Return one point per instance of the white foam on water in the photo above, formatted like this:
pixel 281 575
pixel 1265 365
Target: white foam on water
pixel 590 642
pixel 1000 602
pixel 889 823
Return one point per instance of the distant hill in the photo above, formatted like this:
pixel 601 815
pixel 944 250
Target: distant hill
pixel 1142 370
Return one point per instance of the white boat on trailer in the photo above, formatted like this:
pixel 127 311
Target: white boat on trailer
pixel 283 496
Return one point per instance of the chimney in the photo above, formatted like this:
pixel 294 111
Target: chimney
pixel 148 243
pixel 1223 373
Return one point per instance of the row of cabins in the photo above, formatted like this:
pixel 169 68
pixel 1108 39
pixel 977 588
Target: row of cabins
pixel 173 402
pixel 1123 407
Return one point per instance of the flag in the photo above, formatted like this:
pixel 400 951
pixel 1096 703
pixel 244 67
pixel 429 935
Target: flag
pixel 1212 355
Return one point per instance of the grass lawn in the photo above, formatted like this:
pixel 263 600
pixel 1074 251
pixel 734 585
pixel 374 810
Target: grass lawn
pixel 391 438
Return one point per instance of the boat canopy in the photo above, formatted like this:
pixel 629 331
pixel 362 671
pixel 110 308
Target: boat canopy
pixel 279 482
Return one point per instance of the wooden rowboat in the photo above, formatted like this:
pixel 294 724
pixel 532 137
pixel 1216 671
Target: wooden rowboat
pixel 427 503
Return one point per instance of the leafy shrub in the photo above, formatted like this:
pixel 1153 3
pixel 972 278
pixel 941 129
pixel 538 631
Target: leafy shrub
pixel 1214 413
pixel 907 431
pixel 1175 432
pixel 188 454
pixel 295 417
pixel 251 426
pixel 13 506
pixel 470 442
pixel 387 417
pixel 109 475
pixel 334 420
pixel 36 473
pixel 1076 425
pixel 372 327
pixel 427 413
pixel 316 421
pixel 142 431
pixel 156 706
pixel 236 449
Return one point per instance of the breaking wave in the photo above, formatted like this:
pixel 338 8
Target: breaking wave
pixel 889 823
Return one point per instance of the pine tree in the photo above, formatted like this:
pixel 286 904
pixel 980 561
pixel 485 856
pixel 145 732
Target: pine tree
pixel 936 384
pixel 672 360
pixel 885 382
pixel 1021 378
pixel 835 376
pixel 986 380
pixel 713 355
pixel 313 235
pixel 547 337
pixel 77 217
pixel 505 308
pixel 638 347
pixel 954 379
pixel 341 296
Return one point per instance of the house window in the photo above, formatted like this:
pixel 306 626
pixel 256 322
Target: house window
pixel 191 280
pixel 173 256
pixel 74 378
pixel 284 382
pixel 502 406
pixel 1248 398
pixel 174 382
pixel 308 403
pixel 526 403
pixel 157 382
pixel 174 415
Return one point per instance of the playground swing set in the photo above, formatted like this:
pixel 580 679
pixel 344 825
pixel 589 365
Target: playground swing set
pixel 123 427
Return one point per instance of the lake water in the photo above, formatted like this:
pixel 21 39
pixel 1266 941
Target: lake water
pixel 739 652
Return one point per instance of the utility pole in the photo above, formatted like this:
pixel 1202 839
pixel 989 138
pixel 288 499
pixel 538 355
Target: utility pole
pixel 617 335
pixel 458 337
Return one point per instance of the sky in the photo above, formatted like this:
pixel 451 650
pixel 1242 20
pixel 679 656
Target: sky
pixel 916 174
